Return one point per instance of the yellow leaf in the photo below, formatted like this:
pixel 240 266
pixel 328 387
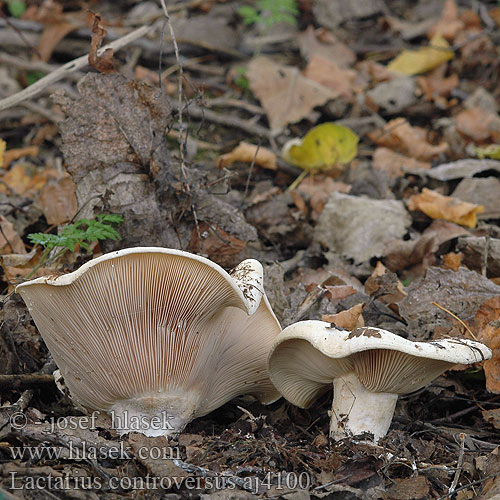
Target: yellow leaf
pixel 322 147
pixel 413 62
pixel 3 145
pixel 491 151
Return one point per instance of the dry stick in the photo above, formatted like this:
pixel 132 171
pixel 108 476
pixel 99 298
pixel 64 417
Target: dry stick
pixel 470 485
pixel 456 317
pixel 74 65
pixel 15 382
pixel 484 269
pixel 460 463
pixel 182 141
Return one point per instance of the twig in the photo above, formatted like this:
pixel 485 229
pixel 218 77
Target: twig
pixel 69 67
pixel 235 103
pixel 458 414
pixel 15 382
pixel 485 254
pixel 21 35
pixel 24 400
pixel 470 485
pixel 182 141
pixel 456 317
pixel 228 121
pixel 250 171
pixel 460 463
pixel 18 62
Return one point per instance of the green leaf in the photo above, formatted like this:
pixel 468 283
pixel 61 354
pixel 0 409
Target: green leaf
pixel 82 232
pixel 16 7
pixel 34 76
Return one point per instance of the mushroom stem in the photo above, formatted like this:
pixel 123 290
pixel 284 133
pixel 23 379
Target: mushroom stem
pixel 155 414
pixel 356 410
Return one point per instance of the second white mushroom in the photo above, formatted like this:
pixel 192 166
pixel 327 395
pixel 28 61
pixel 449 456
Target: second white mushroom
pixel 368 367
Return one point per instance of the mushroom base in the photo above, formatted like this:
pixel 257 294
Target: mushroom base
pixel 356 410
pixel 154 414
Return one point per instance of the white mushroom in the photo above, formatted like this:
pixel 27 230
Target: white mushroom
pixel 156 337
pixel 368 368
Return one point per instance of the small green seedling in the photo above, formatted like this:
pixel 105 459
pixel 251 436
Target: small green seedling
pixel 270 12
pixel 82 232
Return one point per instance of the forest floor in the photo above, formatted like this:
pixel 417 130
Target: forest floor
pixel 403 236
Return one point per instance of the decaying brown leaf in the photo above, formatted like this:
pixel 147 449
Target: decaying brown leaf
pixel 385 286
pixel 57 200
pixel 462 292
pixel 436 87
pixel 104 62
pixel 400 136
pixel 450 23
pixel 323 43
pixel 418 254
pixel 438 206
pixel 25 179
pixel 317 189
pixel 394 164
pixel 216 244
pixel 479 125
pixel 331 75
pixel 14 154
pixel 10 241
pixel 350 319
pixel 249 153
pixel 286 95
pixel 487 323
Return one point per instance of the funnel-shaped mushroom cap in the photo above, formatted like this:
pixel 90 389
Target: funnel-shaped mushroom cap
pixel 154 332
pixel 307 357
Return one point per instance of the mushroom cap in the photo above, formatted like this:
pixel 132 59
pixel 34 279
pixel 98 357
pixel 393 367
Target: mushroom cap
pixel 307 356
pixel 146 321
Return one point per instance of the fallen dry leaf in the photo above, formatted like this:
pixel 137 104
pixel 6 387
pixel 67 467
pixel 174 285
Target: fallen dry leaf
pixel 384 285
pixel 331 75
pixel 417 255
pixel 249 153
pixel 438 206
pixel 216 244
pixel 350 319
pixel 104 62
pixel 3 146
pixel 413 62
pixel 322 42
pixel 25 179
pixel 16 153
pixel 400 136
pixel 286 95
pixel 487 323
pixel 462 292
pixel 449 24
pixel 453 260
pixel 435 85
pixel 10 241
pixel 52 34
pixel 57 200
pixel 478 124
pixel 317 188
pixel 339 292
pixel 394 164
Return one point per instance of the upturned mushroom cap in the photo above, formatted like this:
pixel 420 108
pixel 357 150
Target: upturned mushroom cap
pixel 307 357
pixel 156 332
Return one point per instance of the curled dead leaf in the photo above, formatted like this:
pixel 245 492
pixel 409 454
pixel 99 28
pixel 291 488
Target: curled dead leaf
pixel 349 319
pixel 400 136
pixel 438 206
pixel 249 153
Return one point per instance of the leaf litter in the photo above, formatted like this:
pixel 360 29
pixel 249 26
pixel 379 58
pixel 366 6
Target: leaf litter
pixel 363 244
